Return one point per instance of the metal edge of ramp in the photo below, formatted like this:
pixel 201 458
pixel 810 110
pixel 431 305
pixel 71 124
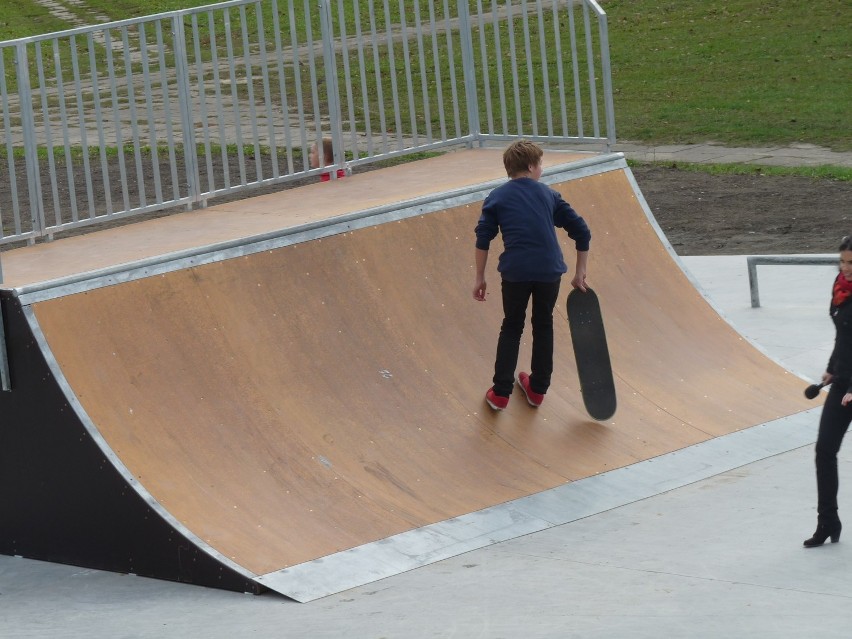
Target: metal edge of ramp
pixel 355 220
pixel 695 283
pixel 113 458
pixel 579 499
pixel 5 380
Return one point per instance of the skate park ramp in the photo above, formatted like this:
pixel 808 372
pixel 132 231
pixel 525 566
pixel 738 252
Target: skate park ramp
pixel 288 392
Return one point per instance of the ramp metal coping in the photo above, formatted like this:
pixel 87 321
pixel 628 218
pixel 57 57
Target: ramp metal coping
pixel 197 256
pixel 688 274
pixel 755 260
pixel 541 511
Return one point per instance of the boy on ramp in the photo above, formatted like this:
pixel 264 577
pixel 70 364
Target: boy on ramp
pixel 526 213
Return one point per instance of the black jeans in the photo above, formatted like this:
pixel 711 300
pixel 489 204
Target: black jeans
pixel 833 425
pixel 516 297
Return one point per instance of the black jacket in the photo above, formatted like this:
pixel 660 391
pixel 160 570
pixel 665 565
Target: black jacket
pixel 840 362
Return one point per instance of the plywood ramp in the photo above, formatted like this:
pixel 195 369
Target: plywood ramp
pixel 293 403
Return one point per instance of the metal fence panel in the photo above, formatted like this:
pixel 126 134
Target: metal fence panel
pixel 175 109
pixel 539 63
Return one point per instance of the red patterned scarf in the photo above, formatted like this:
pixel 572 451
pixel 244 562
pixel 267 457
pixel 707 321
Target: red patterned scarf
pixel 842 291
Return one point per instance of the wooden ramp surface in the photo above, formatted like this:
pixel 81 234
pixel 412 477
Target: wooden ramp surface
pixel 293 403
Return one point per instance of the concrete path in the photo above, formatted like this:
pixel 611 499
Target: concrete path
pixel 804 155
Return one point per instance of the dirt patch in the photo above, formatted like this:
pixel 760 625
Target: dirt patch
pixel 704 214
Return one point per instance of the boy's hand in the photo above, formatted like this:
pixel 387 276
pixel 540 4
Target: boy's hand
pixel 479 290
pixel 481 260
pixel 579 279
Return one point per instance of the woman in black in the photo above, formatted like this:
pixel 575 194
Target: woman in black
pixel 837 410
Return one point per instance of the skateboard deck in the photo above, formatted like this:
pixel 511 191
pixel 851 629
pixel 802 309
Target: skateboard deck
pixel 591 353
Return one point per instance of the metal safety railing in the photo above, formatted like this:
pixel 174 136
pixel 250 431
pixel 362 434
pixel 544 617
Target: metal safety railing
pixel 753 261
pixel 175 109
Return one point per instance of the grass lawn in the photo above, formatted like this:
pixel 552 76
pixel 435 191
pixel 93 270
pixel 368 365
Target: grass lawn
pixel 740 72
pixel 21 18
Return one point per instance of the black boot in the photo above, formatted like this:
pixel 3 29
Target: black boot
pixel 823 532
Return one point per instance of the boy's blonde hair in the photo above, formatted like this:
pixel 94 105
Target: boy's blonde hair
pixel 520 155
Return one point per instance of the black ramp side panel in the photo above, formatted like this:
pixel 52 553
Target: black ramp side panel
pixel 62 500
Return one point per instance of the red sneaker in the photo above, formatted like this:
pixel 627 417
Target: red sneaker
pixel 497 402
pixel 534 399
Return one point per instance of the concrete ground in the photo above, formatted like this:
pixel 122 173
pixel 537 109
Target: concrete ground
pixel 721 557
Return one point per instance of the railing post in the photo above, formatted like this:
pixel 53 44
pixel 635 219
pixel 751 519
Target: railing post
pixel 332 85
pixel 469 71
pixel 190 150
pixel 609 107
pixel 752 282
pixel 754 260
pixel 22 70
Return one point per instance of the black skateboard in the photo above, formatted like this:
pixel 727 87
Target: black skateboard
pixel 591 353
